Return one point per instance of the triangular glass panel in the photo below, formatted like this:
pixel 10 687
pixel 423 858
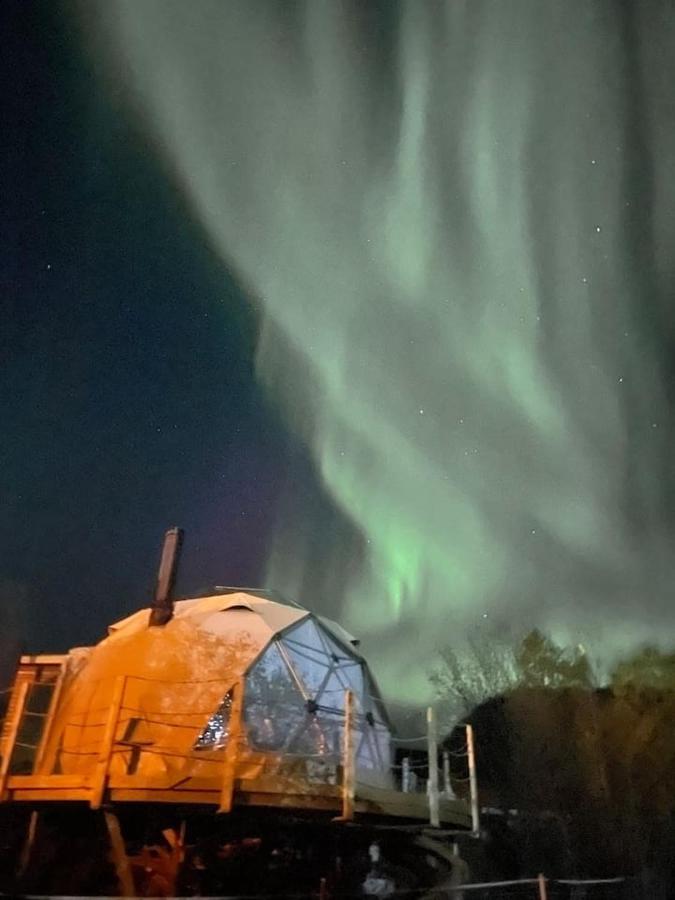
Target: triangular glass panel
pixel 319 656
pixel 311 739
pixel 306 633
pixel 338 653
pixel 382 741
pixel 351 677
pixel 269 666
pixel 364 752
pixel 272 701
pixel 312 674
pixel 216 733
pixel 332 695
pixel 319 735
pixel 373 700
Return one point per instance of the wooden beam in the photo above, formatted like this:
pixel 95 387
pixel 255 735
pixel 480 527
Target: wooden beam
pixel 432 761
pixel 473 782
pixel 232 749
pixel 17 704
pixel 119 855
pixel 18 795
pixel 37 782
pixel 107 742
pixel 266 791
pixel 28 844
pixel 348 760
pixel 43 659
pixel 50 719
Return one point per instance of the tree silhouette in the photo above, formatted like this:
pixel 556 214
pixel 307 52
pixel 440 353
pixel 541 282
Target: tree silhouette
pixel 590 770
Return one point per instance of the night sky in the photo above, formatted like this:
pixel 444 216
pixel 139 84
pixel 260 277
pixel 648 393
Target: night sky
pixel 128 395
pixel 374 299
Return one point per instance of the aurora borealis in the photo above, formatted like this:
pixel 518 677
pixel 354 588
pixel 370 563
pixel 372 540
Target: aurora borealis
pixel 457 221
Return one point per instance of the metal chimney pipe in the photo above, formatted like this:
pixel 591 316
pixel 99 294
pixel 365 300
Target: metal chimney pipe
pixel 161 610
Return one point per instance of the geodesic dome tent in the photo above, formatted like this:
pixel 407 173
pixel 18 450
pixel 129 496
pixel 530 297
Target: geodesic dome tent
pixel 294 668
pixel 294 697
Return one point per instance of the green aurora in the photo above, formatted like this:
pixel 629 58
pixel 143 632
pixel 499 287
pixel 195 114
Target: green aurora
pixel 457 218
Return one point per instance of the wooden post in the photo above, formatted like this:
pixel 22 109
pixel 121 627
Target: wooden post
pixel 100 778
pixel 473 783
pixel 447 787
pixel 17 704
pixel 405 775
pixel 28 844
pixel 432 752
pixel 232 749
pixel 348 760
pixel 176 841
pixel 119 855
pixel 541 881
pixel 51 712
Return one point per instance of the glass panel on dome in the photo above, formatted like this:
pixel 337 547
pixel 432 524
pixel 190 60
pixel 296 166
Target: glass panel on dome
pixel 333 726
pixel 351 676
pixel 273 706
pixel 333 694
pixel 312 674
pixel 382 741
pixel 320 735
pixel 306 634
pixel 318 656
pixel 364 750
pixel 337 652
pixel 374 701
pixel 269 666
pixel 217 728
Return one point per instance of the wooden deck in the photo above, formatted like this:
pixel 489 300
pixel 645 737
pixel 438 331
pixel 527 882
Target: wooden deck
pixel 268 791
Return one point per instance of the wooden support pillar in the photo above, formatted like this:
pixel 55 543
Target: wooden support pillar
pixel 405 775
pixel 17 704
pixel 447 784
pixel 119 855
pixel 28 844
pixel 473 782
pixel 348 761
pixel 49 724
pixel 432 753
pixel 176 857
pixel 232 749
pixel 107 743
